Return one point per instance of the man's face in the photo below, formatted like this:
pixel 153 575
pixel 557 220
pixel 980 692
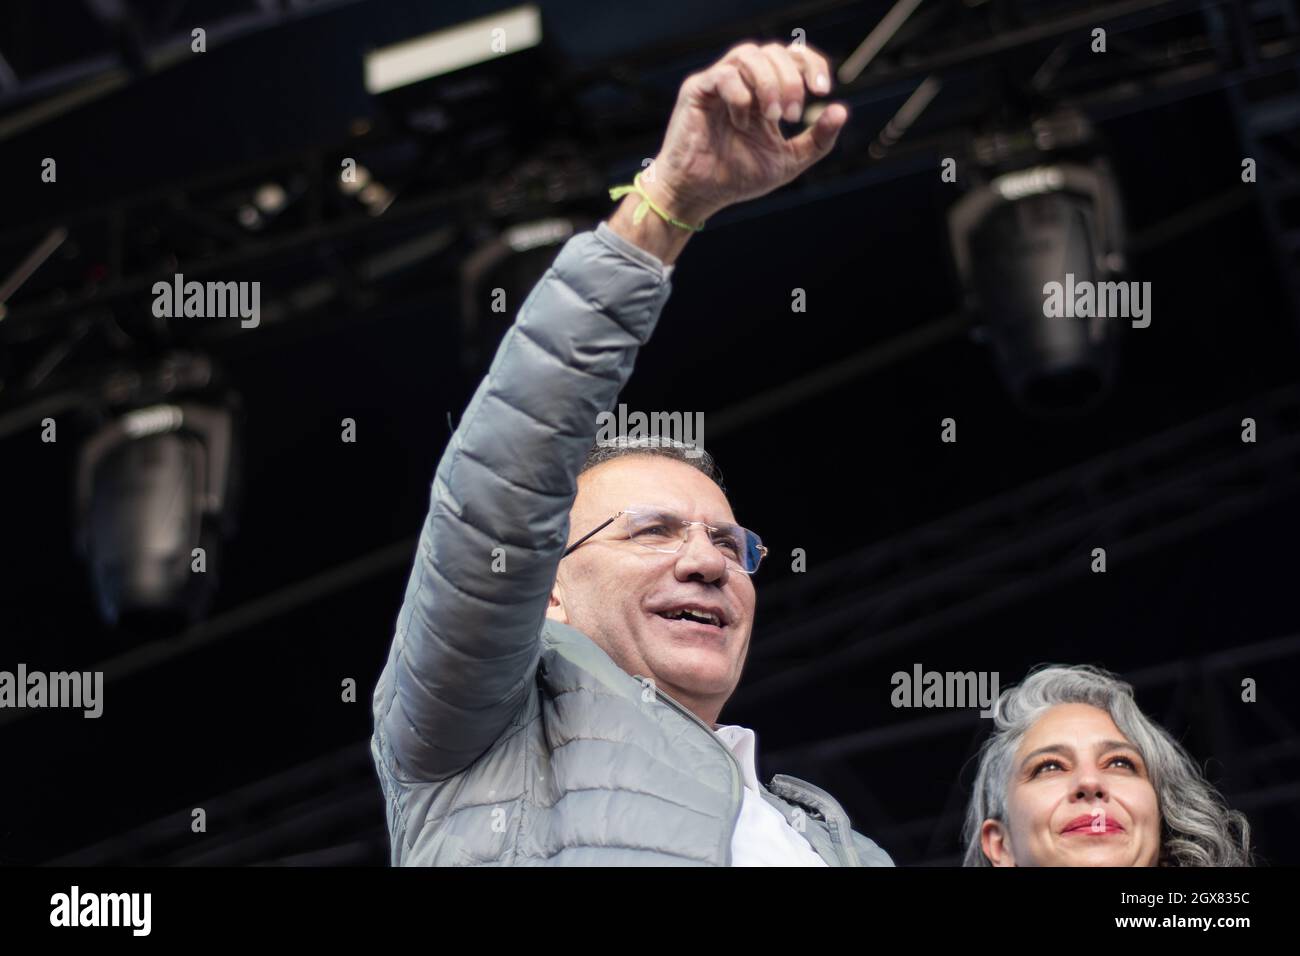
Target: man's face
pixel 616 591
pixel 1080 795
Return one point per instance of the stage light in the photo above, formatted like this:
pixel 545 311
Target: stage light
pixel 511 262
pixel 155 483
pixel 376 197
pixel 249 217
pixel 529 213
pixel 446 51
pixel 271 198
pixel 351 185
pixel 1020 229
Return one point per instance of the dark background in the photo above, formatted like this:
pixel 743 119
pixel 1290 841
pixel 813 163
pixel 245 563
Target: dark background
pixel 966 556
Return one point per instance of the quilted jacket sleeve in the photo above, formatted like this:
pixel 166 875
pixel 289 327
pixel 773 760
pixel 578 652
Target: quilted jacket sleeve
pixel 467 639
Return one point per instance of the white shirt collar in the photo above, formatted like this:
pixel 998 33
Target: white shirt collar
pixel 743 742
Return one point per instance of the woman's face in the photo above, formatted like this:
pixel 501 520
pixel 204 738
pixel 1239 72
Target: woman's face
pixel 1079 795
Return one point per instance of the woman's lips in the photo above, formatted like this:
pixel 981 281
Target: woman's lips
pixel 1088 825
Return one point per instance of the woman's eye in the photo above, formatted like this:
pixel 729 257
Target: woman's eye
pixel 1044 765
pixel 1132 765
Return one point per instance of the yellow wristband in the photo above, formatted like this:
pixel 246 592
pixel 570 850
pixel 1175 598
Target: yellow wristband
pixel 618 192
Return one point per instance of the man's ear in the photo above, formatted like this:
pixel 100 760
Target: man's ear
pixel 995 843
pixel 555 610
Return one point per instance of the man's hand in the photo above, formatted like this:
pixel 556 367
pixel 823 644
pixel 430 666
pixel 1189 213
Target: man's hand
pixel 723 144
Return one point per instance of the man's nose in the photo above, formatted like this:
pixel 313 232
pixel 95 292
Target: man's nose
pixel 699 558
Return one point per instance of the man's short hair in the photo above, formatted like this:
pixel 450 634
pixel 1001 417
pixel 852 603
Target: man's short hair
pixel 698 458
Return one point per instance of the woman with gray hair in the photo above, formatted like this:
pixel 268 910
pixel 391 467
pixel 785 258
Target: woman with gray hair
pixel 1075 774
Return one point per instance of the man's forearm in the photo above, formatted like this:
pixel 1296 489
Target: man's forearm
pixel 662 239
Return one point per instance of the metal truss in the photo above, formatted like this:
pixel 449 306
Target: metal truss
pixel 429 216
pixel 950 571
pixel 328 811
pixel 1267 111
pixel 141 46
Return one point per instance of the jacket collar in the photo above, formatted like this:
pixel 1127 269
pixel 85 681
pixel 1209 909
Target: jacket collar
pixel 784 792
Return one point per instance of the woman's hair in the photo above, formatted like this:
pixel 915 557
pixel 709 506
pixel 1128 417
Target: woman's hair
pixel 1196 826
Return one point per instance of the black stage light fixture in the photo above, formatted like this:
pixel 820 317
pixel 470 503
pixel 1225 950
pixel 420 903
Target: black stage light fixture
pixel 1029 223
pixel 156 481
pixel 530 213
pixel 497 276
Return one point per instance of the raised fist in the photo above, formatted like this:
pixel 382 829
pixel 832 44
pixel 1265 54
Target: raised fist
pixel 723 144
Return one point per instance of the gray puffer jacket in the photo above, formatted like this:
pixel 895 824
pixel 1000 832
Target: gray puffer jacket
pixel 504 738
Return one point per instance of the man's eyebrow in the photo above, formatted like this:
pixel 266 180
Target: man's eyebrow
pixel 664 512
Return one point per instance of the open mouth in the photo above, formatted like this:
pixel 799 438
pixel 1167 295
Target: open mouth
pixel 699 617
pixel 695 621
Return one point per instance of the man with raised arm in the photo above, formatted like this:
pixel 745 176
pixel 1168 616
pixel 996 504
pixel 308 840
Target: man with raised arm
pixel 577 617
